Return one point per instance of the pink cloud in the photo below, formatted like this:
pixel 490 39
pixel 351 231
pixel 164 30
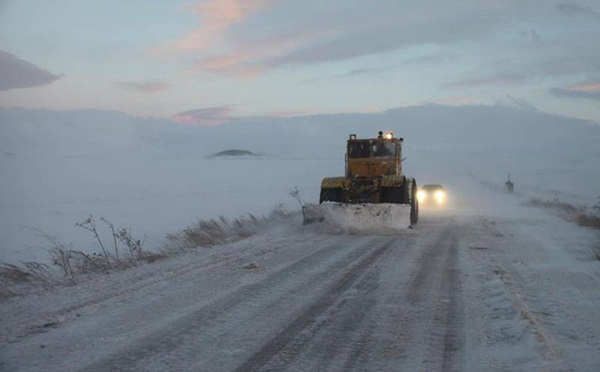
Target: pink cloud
pixel 217 16
pixel 206 117
pixel 587 87
pixel 221 62
pixel 251 60
pixel 226 41
pixel 219 50
pixel 583 90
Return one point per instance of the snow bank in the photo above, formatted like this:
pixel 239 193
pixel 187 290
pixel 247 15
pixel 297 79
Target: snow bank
pixel 359 218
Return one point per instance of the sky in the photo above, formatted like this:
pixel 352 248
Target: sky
pixel 205 62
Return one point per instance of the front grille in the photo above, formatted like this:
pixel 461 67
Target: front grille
pixel 361 191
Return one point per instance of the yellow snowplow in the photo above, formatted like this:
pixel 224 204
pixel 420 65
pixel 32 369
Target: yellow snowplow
pixel 374 192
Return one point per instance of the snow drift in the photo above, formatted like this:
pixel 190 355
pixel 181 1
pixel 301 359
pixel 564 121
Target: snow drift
pixel 381 218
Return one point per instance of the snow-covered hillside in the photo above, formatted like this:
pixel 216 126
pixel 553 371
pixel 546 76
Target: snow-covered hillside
pixel 155 176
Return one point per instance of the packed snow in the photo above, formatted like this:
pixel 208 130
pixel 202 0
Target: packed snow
pixel 381 218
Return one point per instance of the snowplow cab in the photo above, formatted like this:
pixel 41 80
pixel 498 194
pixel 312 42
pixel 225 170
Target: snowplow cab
pixel 375 157
pixel 373 175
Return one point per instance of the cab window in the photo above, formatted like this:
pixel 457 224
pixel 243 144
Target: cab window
pixel 384 149
pixel 359 150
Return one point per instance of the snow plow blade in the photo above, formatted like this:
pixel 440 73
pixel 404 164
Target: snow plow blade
pixel 381 218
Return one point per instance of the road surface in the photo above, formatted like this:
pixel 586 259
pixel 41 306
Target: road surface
pixel 459 292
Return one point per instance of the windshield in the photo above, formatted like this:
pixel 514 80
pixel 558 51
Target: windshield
pixel 384 149
pixel 365 149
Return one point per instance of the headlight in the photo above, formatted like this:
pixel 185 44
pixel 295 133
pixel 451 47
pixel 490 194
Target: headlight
pixel 421 195
pixel 440 196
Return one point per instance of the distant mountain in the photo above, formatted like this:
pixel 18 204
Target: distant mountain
pixel 227 153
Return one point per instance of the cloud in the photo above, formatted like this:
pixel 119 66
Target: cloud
pixel 206 117
pixel 250 37
pixel 586 90
pixel 574 64
pixel 365 71
pixel 351 74
pixel 216 48
pixel 576 9
pixel 532 36
pixel 217 17
pixel 587 87
pixel 452 101
pixel 491 80
pixel 386 34
pixel 564 65
pixel 506 72
pixel 16 73
pixel 144 86
pixel 247 59
pixel 520 103
pixel 287 113
pixel 231 64
pixel 430 59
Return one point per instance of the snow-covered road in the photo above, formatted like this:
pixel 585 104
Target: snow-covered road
pixel 462 291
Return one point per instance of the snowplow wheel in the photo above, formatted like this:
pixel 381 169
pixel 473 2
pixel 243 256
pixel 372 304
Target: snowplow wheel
pixel 414 205
pixel 331 195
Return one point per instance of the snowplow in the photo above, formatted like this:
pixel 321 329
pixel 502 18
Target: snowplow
pixel 374 195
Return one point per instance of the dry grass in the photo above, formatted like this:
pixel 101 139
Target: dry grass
pixel 556 205
pixel 586 217
pixel 588 221
pixel 14 279
pixel 70 265
pixel 212 232
pixel 11 276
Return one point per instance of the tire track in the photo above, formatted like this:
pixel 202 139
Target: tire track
pixel 185 329
pixel 419 323
pixel 293 339
pixel 447 336
pixel 367 343
pixel 428 268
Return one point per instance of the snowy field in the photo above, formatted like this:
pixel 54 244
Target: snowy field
pixel 57 168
